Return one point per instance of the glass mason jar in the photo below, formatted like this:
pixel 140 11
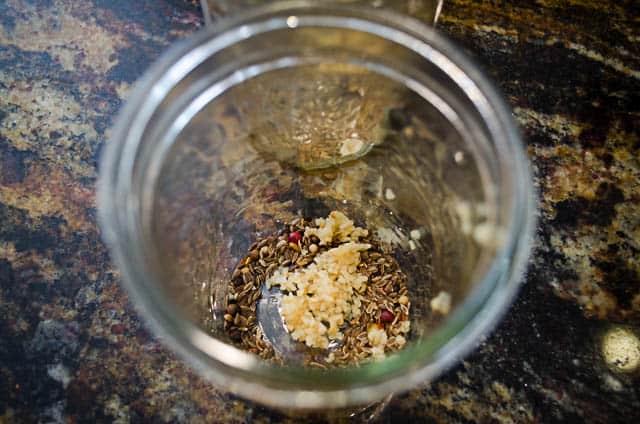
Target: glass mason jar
pixel 240 128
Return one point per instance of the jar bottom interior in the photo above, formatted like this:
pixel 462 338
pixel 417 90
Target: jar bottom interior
pixel 303 141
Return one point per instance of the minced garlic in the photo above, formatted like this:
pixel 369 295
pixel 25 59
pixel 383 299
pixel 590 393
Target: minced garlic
pixel 377 340
pixel 351 146
pixel 441 303
pixel 322 296
pixel 336 228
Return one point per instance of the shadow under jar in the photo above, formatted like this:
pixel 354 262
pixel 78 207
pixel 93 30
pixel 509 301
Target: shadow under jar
pixel 242 127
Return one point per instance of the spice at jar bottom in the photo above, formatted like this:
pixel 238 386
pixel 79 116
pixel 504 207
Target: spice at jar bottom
pixel 342 293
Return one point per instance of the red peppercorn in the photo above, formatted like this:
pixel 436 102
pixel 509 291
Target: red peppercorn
pixel 386 316
pixel 295 237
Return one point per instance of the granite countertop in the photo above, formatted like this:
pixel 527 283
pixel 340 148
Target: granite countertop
pixel 72 349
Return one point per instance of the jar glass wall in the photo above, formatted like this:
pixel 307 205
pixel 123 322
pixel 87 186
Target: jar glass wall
pixel 241 128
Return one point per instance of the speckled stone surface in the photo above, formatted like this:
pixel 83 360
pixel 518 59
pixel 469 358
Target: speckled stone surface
pixel 72 349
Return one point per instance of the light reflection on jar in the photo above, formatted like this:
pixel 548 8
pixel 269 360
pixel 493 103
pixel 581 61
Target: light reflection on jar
pixel 621 349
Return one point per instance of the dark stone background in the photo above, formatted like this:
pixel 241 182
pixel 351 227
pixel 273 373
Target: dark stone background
pixel 72 348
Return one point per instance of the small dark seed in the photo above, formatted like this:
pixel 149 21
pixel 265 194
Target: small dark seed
pixel 232 309
pixel 241 321
pixel 303 261
pixel 235 274
pixel 294 246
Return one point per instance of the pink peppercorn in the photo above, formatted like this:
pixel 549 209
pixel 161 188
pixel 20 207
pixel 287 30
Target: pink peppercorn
pixel 386 316
pixel 295 237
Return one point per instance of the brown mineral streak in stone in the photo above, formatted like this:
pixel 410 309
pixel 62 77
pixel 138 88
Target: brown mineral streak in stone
pixel 67 35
